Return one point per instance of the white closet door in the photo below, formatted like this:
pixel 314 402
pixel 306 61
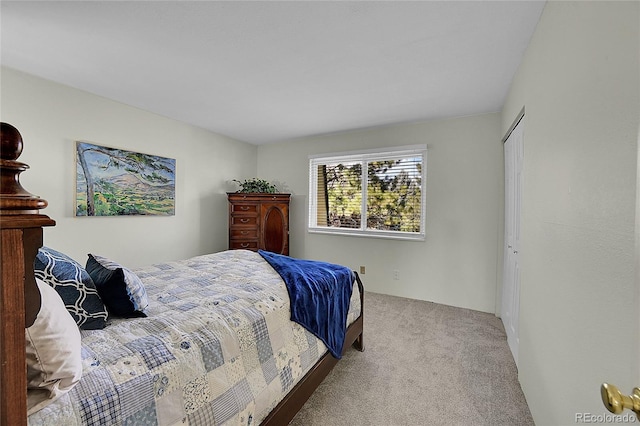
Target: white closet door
pixel 513 162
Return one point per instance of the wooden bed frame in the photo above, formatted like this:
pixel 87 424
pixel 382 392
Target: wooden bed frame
pixel 21 228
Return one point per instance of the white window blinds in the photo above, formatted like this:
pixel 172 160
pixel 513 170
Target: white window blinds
pixel 372 193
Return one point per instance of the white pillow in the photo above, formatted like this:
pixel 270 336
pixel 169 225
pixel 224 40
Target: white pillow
pixel 54 361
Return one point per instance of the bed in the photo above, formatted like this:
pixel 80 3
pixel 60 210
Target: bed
pixel 215 345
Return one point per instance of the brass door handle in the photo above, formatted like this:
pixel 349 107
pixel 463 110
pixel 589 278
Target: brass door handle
pixel 616 402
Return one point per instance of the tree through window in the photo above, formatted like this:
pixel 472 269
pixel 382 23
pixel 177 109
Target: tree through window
pixel 369 193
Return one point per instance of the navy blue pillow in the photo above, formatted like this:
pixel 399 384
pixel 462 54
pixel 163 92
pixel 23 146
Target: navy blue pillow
pixel 113 289
pixel 74 285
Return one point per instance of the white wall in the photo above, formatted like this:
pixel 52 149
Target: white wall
pixel 456 265
pixel 51 117
pixel 579 84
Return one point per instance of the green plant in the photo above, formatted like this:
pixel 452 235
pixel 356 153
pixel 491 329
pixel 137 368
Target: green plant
pixel 256 185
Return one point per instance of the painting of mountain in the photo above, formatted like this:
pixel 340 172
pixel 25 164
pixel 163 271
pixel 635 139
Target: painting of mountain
pixel 117 182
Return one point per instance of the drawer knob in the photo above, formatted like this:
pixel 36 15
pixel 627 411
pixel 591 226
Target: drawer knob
pixel 244 245
pixel 244 232
pixel 245 208
pixel 244 220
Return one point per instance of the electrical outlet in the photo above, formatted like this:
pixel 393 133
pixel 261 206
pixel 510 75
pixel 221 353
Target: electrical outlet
pixel 362 270
pixel 396 274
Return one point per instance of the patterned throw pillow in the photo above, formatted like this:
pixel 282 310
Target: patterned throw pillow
pixel 120 289
pixel 75 287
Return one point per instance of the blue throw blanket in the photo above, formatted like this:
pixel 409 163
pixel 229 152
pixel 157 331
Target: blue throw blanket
pixel 319 293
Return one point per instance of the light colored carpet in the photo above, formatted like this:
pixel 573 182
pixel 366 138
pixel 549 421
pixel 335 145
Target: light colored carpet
pixel 423 364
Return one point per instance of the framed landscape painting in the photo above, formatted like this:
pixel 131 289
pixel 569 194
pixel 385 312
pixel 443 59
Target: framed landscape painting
pixel 116 182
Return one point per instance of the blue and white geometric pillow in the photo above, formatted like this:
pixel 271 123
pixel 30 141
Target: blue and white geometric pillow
pixel 74 285
pixel 121 290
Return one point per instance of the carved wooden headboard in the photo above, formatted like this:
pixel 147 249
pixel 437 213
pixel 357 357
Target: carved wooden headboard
pixel 21 237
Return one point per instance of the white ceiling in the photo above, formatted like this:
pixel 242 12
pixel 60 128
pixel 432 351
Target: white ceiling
pixel 268 71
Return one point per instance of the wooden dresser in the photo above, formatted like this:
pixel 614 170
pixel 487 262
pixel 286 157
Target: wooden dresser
pixel 259 221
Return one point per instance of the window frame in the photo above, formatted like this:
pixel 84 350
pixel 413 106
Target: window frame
pixel 364 157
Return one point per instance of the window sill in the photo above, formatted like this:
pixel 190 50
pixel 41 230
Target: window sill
pixel 389 235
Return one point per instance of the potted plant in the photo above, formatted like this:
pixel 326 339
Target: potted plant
pixel 255 185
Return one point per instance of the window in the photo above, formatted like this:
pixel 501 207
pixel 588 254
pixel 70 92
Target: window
pixel 369 193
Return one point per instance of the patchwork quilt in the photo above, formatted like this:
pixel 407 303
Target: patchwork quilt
pixel 217 347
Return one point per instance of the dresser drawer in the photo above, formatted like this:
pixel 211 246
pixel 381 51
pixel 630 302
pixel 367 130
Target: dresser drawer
pixel 247 245
pixel 236 220
pixel 244 208
pixel 243 233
